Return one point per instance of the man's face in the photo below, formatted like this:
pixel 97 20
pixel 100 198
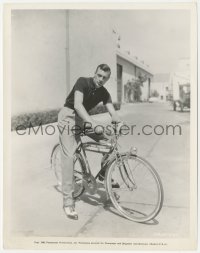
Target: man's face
pixel 101 77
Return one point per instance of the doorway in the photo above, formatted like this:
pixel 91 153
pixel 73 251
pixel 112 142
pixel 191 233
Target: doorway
pixel 119 83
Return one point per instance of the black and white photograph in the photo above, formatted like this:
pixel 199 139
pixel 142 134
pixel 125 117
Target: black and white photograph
pixel 100 107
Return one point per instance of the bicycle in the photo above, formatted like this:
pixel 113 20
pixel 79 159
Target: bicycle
pixel 140 194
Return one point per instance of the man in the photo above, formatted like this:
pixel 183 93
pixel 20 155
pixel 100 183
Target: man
pixel 85 95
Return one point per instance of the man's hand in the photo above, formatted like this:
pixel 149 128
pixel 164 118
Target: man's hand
pixel 117 127
pixel 97 127
pixel 104 129
pixel 114 115
pixel 115 118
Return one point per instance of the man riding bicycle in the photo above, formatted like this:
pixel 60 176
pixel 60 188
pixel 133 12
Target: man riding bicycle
pixel 85 95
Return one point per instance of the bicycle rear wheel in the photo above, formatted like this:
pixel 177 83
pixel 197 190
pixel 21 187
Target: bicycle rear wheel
pixel 78 170
pixel 140 195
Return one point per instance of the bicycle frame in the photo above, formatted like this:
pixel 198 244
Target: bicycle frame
pixel 111 149
pixel 92 146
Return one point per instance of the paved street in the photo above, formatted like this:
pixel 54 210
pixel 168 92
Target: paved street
pixel 36 206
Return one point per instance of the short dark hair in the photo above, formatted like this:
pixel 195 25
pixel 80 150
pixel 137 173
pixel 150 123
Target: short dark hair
pixel 103 67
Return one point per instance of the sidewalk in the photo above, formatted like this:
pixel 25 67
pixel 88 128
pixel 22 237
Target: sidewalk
pixel 38 206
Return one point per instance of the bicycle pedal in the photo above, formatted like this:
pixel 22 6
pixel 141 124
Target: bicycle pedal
pixel 90 185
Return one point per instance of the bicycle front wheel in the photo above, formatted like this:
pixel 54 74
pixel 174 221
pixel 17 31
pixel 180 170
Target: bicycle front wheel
pixel 139 196
pixel 78 170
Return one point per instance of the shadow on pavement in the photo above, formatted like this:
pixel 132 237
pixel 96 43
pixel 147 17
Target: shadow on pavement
pixel 108 207
pixel 100 199
pixel 179 111
pixel 96 200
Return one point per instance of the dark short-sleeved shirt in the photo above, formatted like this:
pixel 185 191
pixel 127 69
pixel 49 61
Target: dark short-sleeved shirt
pixel 91 95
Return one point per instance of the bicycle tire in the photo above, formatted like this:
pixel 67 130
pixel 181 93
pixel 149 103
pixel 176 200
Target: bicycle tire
pixel 78 170
pixel 132 212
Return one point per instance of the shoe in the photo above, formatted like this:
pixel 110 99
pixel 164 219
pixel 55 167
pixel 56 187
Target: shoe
pixel 114 184
pixel 70 212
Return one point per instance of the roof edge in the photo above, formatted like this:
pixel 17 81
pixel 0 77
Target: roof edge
pixel 134 62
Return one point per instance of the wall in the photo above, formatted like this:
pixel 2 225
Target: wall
pixel 160 87
pixel 91 42
pixel 145 91
pixel 145 87
pixel 129 70
pixel 39 59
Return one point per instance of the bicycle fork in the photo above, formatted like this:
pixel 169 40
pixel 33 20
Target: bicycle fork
pixel 125 171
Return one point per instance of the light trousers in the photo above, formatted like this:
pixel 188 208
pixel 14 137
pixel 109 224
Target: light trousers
pixel 69 124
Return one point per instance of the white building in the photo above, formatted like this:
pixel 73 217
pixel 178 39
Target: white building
pixel 167 84
pixel 161 84
pixel 180 77
pixel 131 68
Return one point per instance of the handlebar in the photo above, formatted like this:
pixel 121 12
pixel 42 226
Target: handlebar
pixel 116 126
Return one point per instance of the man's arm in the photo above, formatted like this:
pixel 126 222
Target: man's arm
pixel 80 109
pixel 113 113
